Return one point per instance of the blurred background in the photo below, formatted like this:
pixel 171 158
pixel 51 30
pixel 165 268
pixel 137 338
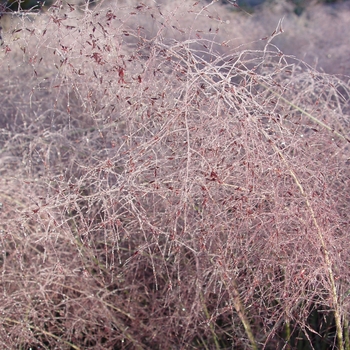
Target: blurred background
pixel 248 5
pixel 316 31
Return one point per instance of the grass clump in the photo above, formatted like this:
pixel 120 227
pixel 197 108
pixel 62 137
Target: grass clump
pixel 161 189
